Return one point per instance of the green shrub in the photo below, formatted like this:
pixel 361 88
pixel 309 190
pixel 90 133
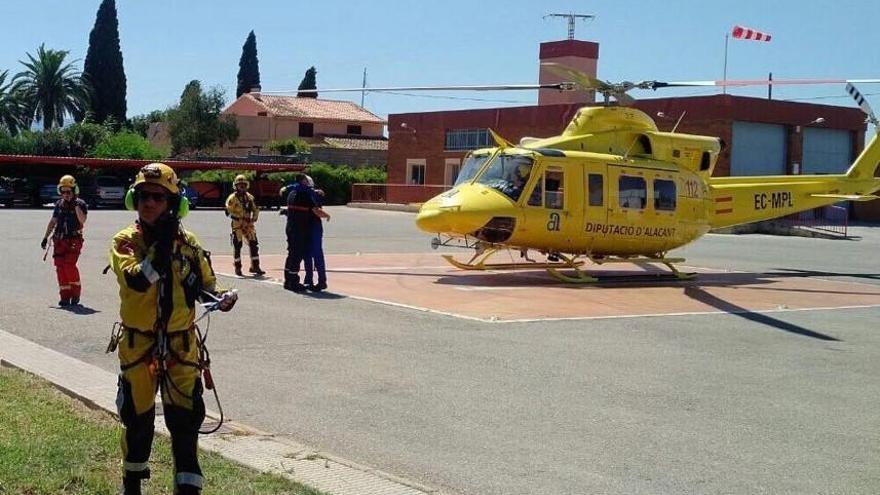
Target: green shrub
pixel 290 146
pixel 218 176
pixel 334 180
pixel 82 138
pixel 127 144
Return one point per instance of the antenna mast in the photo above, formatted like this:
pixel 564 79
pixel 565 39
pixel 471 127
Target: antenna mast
pixel 571 16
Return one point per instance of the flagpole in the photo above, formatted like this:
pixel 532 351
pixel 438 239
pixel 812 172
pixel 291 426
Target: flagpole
pixel 726 39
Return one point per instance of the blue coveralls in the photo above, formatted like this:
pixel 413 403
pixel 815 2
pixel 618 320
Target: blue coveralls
pixel 313 258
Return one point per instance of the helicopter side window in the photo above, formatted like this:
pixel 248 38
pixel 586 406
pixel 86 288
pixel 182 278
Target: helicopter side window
pixel 595 189
pixel 553 189
pixel 632 192
pixel 664 195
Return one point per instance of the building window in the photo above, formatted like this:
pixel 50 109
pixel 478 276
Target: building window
pixel 353 129
pixel 466 139
pixel 631 192
pixel 453 167
pixel 664 195
pixel 262 114
pixel 306 129
pixel 415 171
pixel 596 189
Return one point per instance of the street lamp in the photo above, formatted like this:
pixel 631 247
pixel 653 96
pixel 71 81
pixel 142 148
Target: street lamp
pixel 817 120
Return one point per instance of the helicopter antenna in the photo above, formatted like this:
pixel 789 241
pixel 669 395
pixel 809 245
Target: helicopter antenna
pixel 679 120
pixel 571 16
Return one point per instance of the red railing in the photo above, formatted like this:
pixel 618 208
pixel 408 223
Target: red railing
pixel 831 219
pixel 395 193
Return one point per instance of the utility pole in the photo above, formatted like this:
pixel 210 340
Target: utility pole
pixel 571 16
pixel 363 86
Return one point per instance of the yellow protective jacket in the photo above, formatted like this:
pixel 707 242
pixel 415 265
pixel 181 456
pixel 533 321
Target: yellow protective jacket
pixel 131 260
pixel 242 209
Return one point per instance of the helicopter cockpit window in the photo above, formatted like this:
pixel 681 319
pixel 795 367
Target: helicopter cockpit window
pixel 632 192
pixel 507 174
pixel 664 195
pixel 472 164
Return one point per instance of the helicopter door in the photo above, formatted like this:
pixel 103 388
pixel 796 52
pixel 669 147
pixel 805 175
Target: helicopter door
pixel 546 208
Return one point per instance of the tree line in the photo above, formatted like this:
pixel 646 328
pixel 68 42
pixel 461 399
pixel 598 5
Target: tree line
pixel 51 90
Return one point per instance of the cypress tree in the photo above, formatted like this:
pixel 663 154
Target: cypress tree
pixel 103 70
pixel 308 82
pixel 248 66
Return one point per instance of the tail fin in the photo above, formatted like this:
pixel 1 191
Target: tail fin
pixel 866 164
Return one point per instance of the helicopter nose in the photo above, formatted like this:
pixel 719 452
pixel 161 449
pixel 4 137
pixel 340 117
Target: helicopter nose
pixel 461 211
pixel 433 220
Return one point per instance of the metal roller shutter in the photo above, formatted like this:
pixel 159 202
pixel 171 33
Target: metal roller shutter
pixel 758 149
pixel 826 151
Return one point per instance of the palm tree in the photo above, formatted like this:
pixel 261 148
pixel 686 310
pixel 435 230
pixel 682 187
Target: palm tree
pixel 52 88
pixel 12 111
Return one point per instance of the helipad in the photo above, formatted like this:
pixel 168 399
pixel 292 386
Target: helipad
pixel 426 282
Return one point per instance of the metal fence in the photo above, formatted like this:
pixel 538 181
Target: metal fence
pixel 395 193
pixel 831 219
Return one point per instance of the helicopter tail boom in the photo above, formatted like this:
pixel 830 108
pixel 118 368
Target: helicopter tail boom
pixel 740 200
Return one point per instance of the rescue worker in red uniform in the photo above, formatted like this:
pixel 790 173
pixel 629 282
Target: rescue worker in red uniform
pixel 66 229
pixel 162 272
pixel 242 209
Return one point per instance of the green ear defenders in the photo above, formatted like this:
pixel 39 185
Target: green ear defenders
pixel 68 181
pixel 177 203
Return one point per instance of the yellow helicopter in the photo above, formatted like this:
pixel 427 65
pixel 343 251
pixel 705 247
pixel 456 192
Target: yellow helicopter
pixel 612 188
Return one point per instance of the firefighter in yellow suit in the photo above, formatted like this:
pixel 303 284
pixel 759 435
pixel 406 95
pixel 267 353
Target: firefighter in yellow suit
pixel 162 272
pixel 242 209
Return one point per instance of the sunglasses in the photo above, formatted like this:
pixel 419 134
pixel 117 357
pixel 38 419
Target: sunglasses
pixel 66 191
pixel 158 197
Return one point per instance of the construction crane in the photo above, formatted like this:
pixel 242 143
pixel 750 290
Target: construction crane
pixel 571 18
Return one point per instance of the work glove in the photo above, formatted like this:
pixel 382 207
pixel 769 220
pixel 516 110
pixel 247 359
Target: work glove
pixel 227 300
pixel 44 243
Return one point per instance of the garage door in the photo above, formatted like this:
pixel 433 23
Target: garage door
pixel 826 151
pixel 758 149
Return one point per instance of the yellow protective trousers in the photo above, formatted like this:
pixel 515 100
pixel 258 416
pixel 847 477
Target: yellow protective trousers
pixel 180 383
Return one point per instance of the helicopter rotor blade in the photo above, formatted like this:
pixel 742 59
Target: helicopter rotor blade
pixel 564 86
pixel 749 82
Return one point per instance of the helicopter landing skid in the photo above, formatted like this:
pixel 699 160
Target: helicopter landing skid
pixel 581 277
pixel 478 262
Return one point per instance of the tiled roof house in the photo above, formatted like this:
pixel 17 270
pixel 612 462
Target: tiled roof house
pixel 325 124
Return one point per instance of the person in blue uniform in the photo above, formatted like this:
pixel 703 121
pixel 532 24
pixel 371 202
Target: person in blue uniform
pixel 298 230
pixel 314 260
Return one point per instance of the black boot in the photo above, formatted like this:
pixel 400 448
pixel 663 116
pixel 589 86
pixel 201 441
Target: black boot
pixel 187 490
pixel 292 283
pixel 131 486
pixel 238 269
pixel 255 268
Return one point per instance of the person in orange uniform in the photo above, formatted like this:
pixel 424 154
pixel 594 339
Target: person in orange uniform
pixel 242 209
pixel 162 272
pixel 66 229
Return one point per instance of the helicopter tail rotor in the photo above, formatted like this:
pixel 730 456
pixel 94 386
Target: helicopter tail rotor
pixel 862 103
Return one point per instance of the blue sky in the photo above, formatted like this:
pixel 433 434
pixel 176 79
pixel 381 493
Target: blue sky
pixel 167 43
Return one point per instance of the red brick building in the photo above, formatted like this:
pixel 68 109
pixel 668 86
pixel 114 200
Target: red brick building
pixel 762 136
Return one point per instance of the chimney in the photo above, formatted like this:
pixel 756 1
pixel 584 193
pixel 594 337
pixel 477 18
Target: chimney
pixel 255 92
pixel 582 56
